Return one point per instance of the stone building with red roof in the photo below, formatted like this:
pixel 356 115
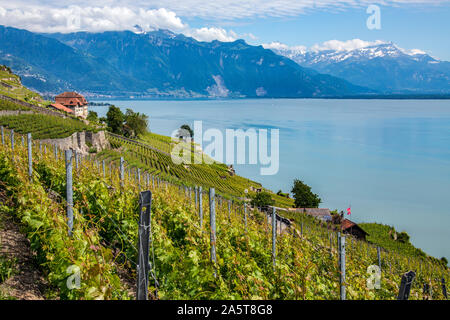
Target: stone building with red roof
pixel 71 102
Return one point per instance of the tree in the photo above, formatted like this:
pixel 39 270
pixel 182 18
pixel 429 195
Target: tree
pixel 262 199
pixel 92 116
pixel 136 122
pixel 114 119
pixel 403 237
pixel 444 261
pixel 303 196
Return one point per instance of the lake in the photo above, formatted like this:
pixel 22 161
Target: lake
pixel 388 159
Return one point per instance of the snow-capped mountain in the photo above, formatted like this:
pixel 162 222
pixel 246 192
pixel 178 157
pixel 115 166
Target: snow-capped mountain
pixel 382 66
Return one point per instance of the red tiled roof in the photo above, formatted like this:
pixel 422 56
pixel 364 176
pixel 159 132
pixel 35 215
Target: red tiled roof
pixel 70 94
pixel 61 107
pixel 70 99
pixel 347 224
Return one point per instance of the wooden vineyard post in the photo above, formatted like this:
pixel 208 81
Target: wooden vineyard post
pixel 143 266
pixel 342 265
pixel 75 155
pixel 245 216
pixel 379 257
pixel 139 178
pixel 103 167
pixel 331 244
pixel 122 173
pixel 338 240
pixel 3 135
pixel 69 190
pixel 426 291
pixel 444 289
pixel 55 149
pixel 195 196
pixel 200 205
pixel 405 285
pixel 30 157
pixel 212 218
pixel 274 235
pixel 12 144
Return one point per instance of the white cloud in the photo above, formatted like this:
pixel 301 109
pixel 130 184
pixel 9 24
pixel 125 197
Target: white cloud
pixel 210 34
pixel 105 15
pixel 94 19
pixel 283 47
pixel 348 45
pixel 99 19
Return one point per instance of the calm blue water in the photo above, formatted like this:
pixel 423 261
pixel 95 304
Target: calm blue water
pixel 388 159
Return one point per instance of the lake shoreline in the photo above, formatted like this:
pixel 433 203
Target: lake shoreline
pixel 363 97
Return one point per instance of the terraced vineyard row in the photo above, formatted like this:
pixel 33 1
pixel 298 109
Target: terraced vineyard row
pixel 44 126
pixel 207 175
pixel 8 105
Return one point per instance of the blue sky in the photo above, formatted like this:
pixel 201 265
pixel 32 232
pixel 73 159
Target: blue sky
pixel 413 24
pixel 427 29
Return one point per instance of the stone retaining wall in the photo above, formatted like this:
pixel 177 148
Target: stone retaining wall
pixel 14 112
pixel 81 142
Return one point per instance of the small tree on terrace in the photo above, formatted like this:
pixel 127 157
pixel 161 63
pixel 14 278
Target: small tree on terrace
pixel 114 119
pixel 303 196
pixel 262 199
pixel 92 116
pixel 136 121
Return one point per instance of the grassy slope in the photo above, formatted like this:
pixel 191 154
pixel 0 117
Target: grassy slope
pixel 382 235
pixel 11 86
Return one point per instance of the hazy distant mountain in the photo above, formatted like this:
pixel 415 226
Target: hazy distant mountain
pixel 384 67
pixel 159 64
pixel 48 65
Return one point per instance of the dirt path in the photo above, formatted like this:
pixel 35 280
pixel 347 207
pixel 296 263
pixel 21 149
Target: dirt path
pixel 28 283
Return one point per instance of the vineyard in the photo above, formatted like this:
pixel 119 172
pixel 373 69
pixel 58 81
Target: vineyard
pixel 103 241
pixel 154 156
pixel 11 106
pixel 11 86
pixel 43 126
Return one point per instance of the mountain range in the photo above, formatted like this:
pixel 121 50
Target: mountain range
pixel 384 67
pixel 159 64
pixel 162 64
